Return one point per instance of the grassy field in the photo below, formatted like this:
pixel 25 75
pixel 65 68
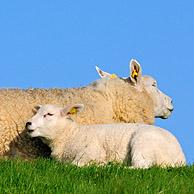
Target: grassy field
pixel 49 176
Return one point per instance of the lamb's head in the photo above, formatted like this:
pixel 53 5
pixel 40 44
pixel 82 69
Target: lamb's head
pixel 162 103
pixel 50 120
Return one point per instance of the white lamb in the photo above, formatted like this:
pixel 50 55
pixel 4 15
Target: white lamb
pixel 138 145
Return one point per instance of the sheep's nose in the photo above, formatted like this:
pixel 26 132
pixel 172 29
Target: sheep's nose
pixel 171 109
pixel 28 124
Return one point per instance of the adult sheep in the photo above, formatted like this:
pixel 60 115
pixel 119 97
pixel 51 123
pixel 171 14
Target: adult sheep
pixel 140 145
pixel 119 100
pixel 160 101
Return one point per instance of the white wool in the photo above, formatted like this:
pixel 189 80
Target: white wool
pixel 138 145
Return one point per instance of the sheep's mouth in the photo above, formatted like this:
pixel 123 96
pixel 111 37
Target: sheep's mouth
pixel 30 131
pixel 168 114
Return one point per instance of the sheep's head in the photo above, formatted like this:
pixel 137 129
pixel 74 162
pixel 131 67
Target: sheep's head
pixel 50 120
pixel 162 103
pixel 163 106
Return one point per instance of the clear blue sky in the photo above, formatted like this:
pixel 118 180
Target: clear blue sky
pixel 57 44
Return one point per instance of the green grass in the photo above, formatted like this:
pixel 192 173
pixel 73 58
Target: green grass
pixel 49 176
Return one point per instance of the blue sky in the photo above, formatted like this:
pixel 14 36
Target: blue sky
pixel 57 44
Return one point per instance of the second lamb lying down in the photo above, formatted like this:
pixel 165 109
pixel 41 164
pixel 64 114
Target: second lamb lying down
pixel 138 145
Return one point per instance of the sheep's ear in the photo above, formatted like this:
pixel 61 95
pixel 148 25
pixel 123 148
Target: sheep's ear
pixel 135 71
pixel 103 74
pixel 72 110
pixel 36 108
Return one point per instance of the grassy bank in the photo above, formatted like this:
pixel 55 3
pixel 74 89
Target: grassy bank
pixel 48 176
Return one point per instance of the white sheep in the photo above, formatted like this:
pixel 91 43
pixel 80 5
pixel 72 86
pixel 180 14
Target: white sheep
pixel 140 145
pixel 119 100
pixel 161 102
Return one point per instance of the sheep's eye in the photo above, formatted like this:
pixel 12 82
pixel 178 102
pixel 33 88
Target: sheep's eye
pixel 154 84
pixel 48 114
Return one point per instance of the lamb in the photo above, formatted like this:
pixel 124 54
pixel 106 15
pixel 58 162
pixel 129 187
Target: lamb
pixel 138 145
pixel 119 100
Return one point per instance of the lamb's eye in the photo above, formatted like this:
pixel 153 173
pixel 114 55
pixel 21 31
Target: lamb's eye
pixel 48 114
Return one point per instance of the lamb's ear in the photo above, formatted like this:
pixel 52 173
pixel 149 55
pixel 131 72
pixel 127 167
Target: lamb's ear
pixel 36 108
pixel 135 71
pixel 102 73
pixel 72 109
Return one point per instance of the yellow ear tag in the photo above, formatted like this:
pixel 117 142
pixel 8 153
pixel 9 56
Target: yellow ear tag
pixel 134 74
pixel 113 76
pixel 73 111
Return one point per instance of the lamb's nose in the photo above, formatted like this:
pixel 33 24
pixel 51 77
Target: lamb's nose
pixel 28 124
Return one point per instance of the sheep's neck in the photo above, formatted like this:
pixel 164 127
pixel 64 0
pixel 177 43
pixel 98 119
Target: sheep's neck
pixel 62 139
pixel 129 105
